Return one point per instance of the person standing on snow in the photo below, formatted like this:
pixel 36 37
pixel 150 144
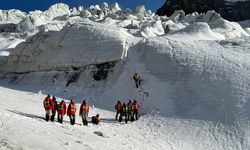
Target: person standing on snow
pixel 84 110
pixel 48 106
pixel 118 107
pixel 61 111
pixel 55 109
pixel 137 80
pixel 71 112
pixel 96 119
pixel 135 108
pixel 130 111
pixel 124 112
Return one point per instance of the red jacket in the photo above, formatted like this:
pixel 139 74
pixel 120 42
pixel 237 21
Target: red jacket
pixel 71 109
pixel 84 109
pixel 62 108
pixel 48 104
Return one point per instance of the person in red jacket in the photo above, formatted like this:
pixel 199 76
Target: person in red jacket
pixel 135 108
pixel 96 119
pixel 71 112
pixel 118 107
pixel 48 105
pixel 61 111
pixel 84 110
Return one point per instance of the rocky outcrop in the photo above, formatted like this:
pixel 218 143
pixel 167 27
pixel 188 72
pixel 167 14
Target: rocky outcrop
pixel 10 27
pixel 233 11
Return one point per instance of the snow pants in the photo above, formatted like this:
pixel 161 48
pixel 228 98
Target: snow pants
pixel 53 115
pixel 60 118
pixel 84 119
pixel 48 115
pixel 72 119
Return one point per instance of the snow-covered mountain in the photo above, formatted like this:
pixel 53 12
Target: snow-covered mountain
pixel 234 10
pixel 195 71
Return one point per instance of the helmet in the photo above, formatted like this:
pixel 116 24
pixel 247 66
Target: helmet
pixel 53 97
pixel 135 101
pixel 97 115
pixel 48 95
pixel 84 101
pixel 119 101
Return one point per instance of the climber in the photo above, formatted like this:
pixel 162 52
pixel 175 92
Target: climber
pixel 55 109
pixel 61 111
pixel 96 119
pixel 137 79
pixel 71 112
pixel 124 112
pixel 135 108
pixel 130 111
pixel 118 107
pixel 84 110
pixel 48 106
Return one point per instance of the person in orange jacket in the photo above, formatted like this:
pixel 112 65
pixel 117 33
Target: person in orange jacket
pixel 118 107
pixel 61 111
pixel 96 119
pixel 71 112
pixel 84 110
pixel 48 105
pixel 135 107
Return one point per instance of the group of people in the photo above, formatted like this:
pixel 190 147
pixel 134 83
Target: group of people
pixel 51 107
pixel 127 111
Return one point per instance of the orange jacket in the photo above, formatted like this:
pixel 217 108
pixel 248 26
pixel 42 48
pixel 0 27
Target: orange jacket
pixel 71 109
pixel 84 109
pixel 136 106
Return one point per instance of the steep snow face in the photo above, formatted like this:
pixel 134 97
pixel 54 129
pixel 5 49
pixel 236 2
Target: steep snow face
pixel 201 80
pixel 77 45
pixel 11 16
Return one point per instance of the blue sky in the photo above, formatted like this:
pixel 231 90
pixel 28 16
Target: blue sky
pixel 27 5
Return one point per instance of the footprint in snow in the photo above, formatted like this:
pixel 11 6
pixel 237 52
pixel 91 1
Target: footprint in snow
pixel 79 142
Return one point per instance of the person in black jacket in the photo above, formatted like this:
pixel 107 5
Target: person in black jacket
pixel 124 112
pixel 137 80
pixel 54 110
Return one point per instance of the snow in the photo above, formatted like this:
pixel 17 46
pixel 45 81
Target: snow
pixel 12 15
pixel 195 70
pixel 22 126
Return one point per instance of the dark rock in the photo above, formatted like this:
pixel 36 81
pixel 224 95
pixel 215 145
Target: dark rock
pixel 8 27
pixel 102 70
pixel 233 11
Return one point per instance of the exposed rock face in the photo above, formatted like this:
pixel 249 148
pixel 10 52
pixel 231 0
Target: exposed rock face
pixel 233 11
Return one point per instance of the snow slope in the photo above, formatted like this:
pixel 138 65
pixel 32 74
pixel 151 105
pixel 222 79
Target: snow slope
pixel 195 91
pixel 22 127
